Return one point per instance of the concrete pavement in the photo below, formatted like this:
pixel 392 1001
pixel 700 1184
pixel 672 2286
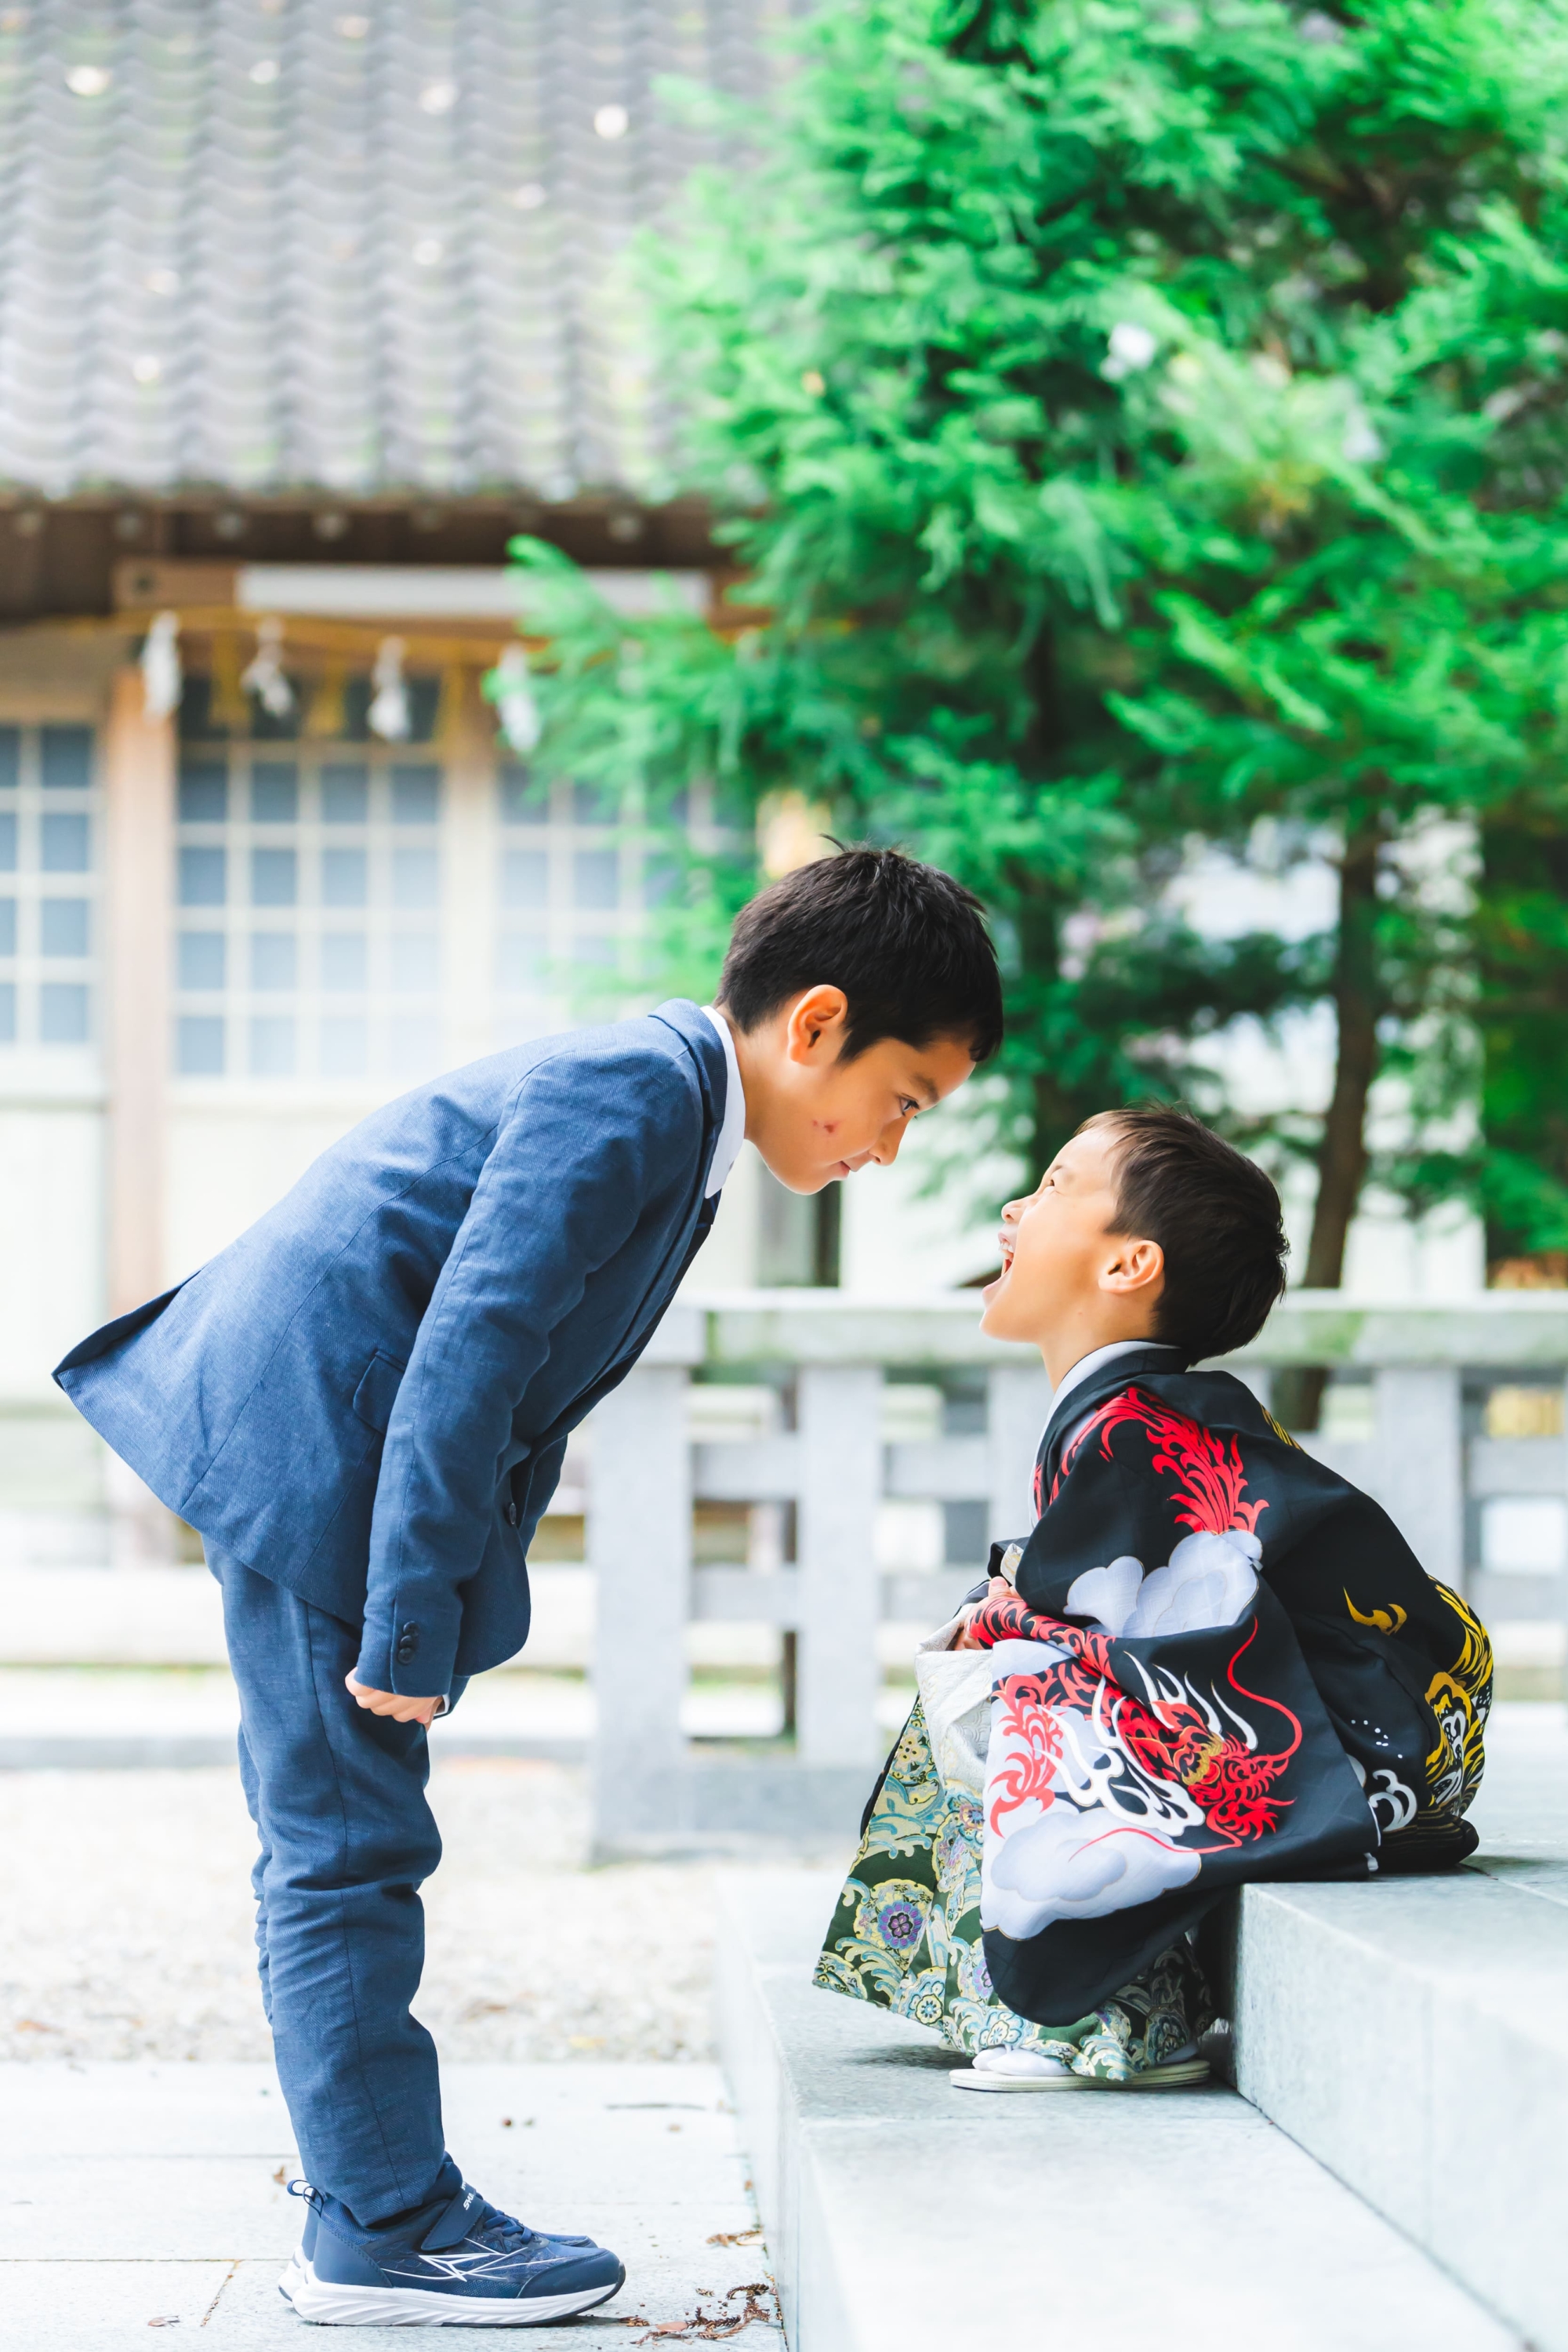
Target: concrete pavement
pixel 153 2195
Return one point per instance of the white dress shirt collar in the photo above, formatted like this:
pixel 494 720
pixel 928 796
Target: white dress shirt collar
pixel 732 1128
pixel 1093 1360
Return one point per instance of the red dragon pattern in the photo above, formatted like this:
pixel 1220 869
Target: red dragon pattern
pixel 1175 1735
pixel 1181 1768
pixel 1209 1476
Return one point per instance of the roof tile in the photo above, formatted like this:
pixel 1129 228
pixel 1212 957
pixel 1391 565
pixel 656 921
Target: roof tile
pixel 251 247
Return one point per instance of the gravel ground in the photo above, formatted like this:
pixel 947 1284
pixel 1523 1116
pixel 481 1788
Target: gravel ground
pixel 126 1928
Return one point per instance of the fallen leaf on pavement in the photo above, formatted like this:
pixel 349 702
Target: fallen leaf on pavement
pixel 716 2327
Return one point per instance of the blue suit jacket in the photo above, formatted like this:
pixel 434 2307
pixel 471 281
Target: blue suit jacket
pixel 367 1396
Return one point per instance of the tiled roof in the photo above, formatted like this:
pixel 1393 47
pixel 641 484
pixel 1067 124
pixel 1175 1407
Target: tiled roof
pixel 351 246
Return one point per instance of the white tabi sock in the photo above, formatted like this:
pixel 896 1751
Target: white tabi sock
pixel 1005 2060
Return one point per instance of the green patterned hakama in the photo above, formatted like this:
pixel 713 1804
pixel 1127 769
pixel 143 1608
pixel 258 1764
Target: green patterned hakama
pixel 906 1933
pixel 906 1936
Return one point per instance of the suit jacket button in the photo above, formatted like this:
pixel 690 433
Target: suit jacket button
pixel 514 1516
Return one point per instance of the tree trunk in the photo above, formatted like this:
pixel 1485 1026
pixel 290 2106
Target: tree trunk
pixel 1054 1109
pixel 827 1237
pixel 1521 928
pixel 1341 1154
pixel 1057 1115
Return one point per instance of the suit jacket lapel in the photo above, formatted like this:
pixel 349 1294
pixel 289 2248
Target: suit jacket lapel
pixel 695 1030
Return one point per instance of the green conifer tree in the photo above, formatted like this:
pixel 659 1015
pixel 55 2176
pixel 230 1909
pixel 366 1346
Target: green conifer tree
pixel 1099 400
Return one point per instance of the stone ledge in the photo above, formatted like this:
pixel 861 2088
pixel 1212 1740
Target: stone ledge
pixel 1413 2036
pixel 1511 1330
pixel 906 2217
pixel 195 1751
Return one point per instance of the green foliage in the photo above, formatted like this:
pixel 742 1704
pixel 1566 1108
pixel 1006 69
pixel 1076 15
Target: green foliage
pixel 1129 422
pixel 1521 932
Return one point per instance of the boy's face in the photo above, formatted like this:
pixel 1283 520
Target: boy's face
pixel 1065 1268
pixel 816 1118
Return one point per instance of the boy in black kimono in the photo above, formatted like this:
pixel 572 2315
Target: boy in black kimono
pixel 1213 1661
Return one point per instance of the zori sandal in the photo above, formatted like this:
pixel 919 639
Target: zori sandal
pixel 1033 2070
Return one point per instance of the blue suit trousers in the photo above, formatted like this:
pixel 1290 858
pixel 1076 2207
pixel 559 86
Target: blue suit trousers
pixel 347 1838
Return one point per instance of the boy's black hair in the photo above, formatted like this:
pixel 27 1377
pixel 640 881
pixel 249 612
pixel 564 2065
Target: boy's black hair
pixel 906 943
pixel 1216 1215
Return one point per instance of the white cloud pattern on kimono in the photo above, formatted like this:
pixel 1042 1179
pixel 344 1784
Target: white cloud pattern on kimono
pixel 1073 1865
pixel 1106 1594
pixel 1208 1580
pixel 1103 1840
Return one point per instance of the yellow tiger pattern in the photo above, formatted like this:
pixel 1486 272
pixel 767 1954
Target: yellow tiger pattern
pixel 1460 1697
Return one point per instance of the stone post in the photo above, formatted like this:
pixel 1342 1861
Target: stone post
pixel 1017 1405
pixel 839 1418
pixel 1420 1463
pixel 639 1547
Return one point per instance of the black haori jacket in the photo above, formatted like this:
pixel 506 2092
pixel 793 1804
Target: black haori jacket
pixel 1247 1674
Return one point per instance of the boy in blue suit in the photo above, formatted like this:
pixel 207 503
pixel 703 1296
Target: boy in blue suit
pixel 361 1404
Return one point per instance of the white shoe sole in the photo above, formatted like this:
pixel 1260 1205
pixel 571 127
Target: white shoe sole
pixel 326 2306
pixel 1181 2074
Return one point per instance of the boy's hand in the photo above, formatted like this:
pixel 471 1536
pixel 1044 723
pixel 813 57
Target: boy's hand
pixel 997 1590
pixel 401 1710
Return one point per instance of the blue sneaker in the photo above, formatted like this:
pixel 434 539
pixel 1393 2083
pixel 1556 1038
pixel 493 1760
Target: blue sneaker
pixel 472 2266
pixel 300 2260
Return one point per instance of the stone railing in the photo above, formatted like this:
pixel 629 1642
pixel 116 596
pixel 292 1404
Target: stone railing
pixel 1452 1415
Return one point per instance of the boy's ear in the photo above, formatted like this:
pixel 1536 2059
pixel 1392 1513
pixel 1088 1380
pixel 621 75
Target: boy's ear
pixel 813 1027
pixel 1137 1267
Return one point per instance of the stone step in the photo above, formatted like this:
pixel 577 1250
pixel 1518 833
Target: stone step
pixel 1413 2036
pixel 905 2216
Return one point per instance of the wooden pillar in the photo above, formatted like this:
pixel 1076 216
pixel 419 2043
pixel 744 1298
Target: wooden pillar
pixel 139 797
pixel 470 885
pixel 138 769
